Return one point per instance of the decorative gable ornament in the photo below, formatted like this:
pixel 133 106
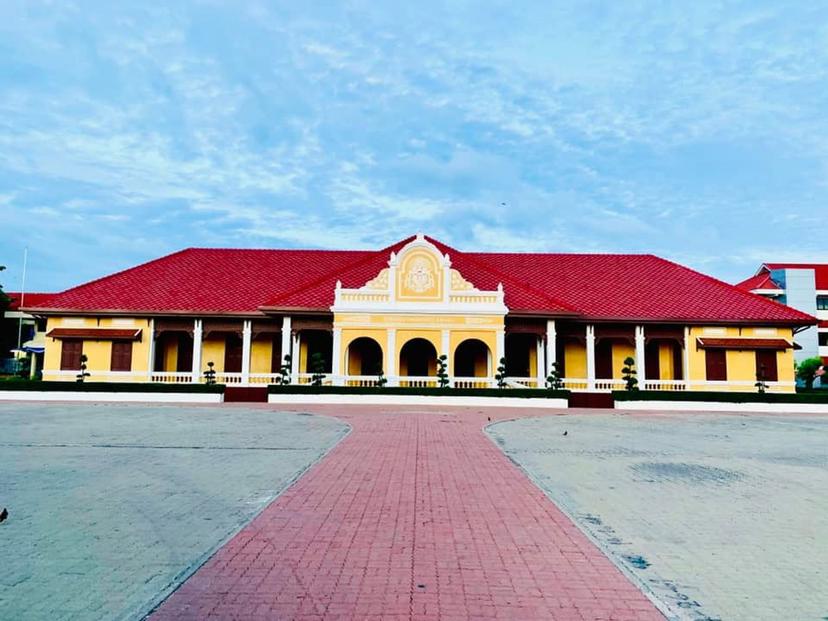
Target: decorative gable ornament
pixel 419 278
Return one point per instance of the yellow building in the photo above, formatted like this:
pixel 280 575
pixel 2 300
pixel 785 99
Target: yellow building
pixel 351 316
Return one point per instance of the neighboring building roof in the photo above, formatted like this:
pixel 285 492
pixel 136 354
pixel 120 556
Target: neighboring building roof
pixel 601 287
pixel 820 270
pixel 30 299
pixel 762 281
pixel 823 324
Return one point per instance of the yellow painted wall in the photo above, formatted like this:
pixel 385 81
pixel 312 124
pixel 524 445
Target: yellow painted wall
pixel 665 362
pixel 212 350
pixel 620 351
pixel 741 364
pixel 575 360
pixel 261 354
pixel 99 353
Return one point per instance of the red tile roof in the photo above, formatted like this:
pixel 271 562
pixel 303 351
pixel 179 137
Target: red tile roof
pixel 762 280
pixel 599 287
pixel 30 299
pixel 820 270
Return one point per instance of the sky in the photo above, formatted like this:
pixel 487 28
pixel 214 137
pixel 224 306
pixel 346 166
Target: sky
pixel 692 130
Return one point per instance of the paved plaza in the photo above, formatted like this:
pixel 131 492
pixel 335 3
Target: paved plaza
pixel 111 505
pixel 719 516
pixel 412 513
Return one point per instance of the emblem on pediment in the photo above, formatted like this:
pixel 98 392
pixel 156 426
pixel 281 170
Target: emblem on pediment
pixel 420 276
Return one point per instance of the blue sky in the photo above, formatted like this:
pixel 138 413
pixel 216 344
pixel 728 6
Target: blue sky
pixel 696 131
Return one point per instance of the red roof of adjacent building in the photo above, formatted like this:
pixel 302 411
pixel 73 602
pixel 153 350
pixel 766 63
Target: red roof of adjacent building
pixel 592 286
pixel 820 270
pixel 30 299
pixel 762 280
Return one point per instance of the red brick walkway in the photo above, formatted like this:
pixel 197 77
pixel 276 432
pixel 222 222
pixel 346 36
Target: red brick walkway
pixel 412 516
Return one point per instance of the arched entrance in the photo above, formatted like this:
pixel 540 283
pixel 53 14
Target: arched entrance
pixel 364 357
pixel 418 357
pixel 472 359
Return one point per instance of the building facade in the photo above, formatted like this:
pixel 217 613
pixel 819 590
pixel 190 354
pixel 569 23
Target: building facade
pixel 803 286
pixel 355 315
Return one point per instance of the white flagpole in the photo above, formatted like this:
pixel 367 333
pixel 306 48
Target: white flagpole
pixel 22 299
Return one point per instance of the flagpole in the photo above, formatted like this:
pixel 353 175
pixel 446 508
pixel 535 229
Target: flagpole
pixel 22 299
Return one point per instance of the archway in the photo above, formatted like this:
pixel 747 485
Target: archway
pixel 471 359
pixel 364 357
pixel 418 358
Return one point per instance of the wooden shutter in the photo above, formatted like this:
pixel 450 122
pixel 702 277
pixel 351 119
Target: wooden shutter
pixel 121 356
pixel 233 354
pixel 603 359
pixel 652 361
pixel 678 362
pixel 184 359
pixel 70 354
pixel 715 361
pixel 767 358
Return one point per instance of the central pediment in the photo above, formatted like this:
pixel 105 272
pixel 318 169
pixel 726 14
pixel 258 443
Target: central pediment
pixel 419 277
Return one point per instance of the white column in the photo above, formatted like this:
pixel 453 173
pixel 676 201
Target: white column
pixel 539 364
pixel 197 351
pixel 445 345
pixel 285 339
pixel 336 362
pixel 247 337
pixel 551 345
pixel 500 350
pixel 590 356
pixel 640 356
pixel 686 373
pixel 390 362
pixel 150 349
pixel 295 352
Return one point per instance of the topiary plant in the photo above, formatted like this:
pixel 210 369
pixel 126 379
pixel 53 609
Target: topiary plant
pixel 442 371
pixel 210 374
pixel 761 379
pixel 83 374
pixel 317 368
pixel 381 379
pixel 628 374
pixel 500 376
pixel 284 371
pixel 554 381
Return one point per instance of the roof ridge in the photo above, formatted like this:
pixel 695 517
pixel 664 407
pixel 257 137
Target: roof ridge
pixel 727 285
pixel 511 279
pixel 322 278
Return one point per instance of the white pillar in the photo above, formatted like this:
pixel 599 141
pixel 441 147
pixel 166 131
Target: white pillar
pixel 197 351
pixel 445 345
pixel 539 364
pixel 150 349
pixel 247 337
pixel 640 356
pixel 686 373
pixel 551 345
pixel 500 349
pixel 336 362
pixel 590 356
pixel 285 339
pixel 295 352
pixel 390 362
